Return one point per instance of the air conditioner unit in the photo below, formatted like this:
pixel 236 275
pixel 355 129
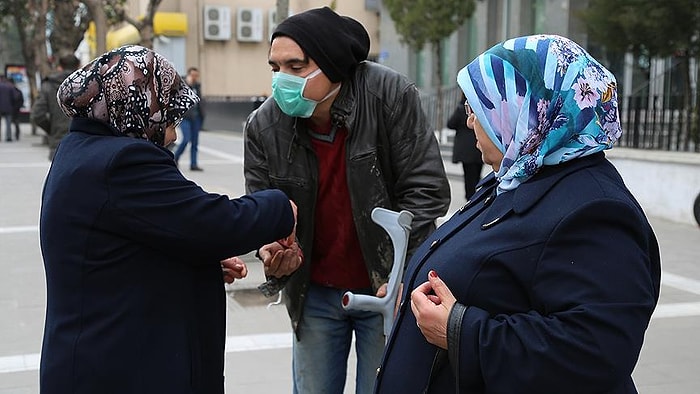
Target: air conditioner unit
pixel 217 22
pixel 249 25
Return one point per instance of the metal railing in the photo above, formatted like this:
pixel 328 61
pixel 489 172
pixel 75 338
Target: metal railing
pixel 429 101
pixel 660 123
pixel 648 122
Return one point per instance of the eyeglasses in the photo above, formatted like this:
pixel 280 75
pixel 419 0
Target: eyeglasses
pixel 468 109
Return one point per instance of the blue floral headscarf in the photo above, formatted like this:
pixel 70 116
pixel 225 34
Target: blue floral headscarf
pixel 542 100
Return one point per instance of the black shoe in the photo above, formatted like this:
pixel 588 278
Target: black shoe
pixel 195 168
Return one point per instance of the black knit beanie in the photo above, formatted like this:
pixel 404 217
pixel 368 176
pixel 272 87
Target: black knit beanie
pixel 336 43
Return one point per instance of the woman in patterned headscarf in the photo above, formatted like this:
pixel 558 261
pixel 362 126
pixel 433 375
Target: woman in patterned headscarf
pixel 545 281
pixel 133 251
pixel 132 89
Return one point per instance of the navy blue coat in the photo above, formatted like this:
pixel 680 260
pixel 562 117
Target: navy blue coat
pixel 559 279
pixel 135 293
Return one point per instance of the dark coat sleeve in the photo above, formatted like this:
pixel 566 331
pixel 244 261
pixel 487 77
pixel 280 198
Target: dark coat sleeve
pixel 255 165
pixel 464 144
pixel 18 100
pixel 40 114
pixel 458 119
pixel 150 198
pixel 593 302
pixel 420 183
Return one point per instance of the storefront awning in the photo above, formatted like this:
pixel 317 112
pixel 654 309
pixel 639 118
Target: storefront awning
pixel 128 34
pixel 171 24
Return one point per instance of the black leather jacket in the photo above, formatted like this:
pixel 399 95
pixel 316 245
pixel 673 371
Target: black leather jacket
pixel 393 161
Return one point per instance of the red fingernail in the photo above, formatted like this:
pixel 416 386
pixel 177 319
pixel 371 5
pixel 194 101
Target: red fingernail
pixel 432 274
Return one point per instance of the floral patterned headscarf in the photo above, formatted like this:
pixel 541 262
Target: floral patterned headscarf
pixel 542 100
pixel 133 89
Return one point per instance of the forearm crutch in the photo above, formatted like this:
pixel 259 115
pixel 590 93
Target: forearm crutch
pixel 398 225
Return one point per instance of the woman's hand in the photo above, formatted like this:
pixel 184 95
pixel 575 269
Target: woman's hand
pixel 283 257
pixel 233 268
pixel 431 303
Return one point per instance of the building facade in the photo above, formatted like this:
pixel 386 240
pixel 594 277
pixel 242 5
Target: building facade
pixel 493 21
pixel 228 40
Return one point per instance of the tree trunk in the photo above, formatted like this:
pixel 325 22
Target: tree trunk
pixel 31 24
pixel 437 82
pixel 37 44
pixel 146 25
pixel 26 37
pixel 282 11
pixel 695 128
pixel 687 103
pixel 65 34
pixel 99 18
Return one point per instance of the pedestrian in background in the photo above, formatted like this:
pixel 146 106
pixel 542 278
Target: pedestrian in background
pixel 18 102
pixel 545 282
pixel 46 112
pixel 192 123
pixel 136 255
pixel 464 149
pixel 341 136
pixel 7 106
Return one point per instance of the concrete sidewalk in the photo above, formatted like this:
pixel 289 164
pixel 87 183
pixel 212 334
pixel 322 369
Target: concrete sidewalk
pixel 258 358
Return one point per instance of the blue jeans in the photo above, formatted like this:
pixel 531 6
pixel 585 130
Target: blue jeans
pixel 190 135
pixel 8 126
pixel 319 358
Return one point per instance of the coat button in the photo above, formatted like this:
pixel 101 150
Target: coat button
pixel 466 204
pixel 434 243
pixel 491 223
pixel 378 369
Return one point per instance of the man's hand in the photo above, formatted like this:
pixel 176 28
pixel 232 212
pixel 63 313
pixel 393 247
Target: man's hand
pixel 381 293
pixel 279 260
pixel 233 268
pixel 431 303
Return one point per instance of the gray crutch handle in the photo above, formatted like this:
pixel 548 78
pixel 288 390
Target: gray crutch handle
pixel 398 225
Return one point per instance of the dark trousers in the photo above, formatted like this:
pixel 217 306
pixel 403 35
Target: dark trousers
pixel 15 120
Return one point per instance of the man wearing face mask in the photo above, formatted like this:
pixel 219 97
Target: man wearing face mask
pixel 340 136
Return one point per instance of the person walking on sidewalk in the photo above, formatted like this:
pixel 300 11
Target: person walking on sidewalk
pixel 464 149
pixel 7 106
pixel 192 122
pixel 135 254
pixel 341 136
pixel 18 101
pixel 46 112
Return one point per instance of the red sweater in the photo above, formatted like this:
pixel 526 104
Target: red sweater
pixel 336 258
